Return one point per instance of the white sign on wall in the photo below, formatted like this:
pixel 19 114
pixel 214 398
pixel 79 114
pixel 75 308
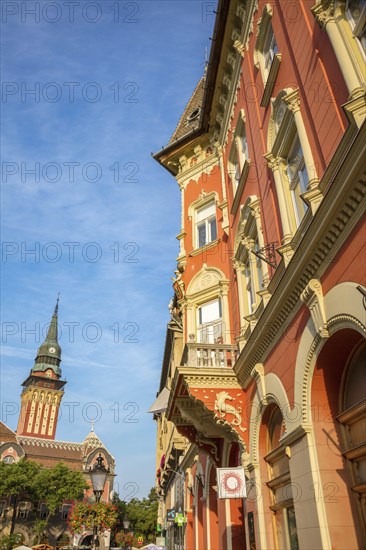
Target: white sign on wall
pixel 231 482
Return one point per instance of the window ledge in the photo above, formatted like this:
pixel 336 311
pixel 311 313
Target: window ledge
pixel 197 251
pixel 271 80
pixel 239 191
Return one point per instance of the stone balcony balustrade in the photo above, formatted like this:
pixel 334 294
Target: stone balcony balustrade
pixel 196 355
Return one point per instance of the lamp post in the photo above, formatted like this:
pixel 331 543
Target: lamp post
pixel 126 526
pixel 98 476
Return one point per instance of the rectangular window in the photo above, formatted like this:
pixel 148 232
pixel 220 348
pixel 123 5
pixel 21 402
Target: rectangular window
pixel 24 509
pixel 258 262
pixel 298 179
pixel 209 322
pixel 269 51
pixel 206 229
pixel 244 146
pixel 249 286
pixel 236 174
pixel 43 511
pixel 65 511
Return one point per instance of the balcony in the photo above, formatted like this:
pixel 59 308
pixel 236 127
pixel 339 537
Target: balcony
pixel 196 355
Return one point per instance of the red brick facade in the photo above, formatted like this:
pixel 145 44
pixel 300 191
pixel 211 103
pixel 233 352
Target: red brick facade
pixel 270 285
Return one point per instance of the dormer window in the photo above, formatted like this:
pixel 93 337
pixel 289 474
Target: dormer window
pixel 193 116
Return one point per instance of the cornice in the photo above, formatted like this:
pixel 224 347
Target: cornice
pixel 337 215
pixel 209 377
pixel 193 173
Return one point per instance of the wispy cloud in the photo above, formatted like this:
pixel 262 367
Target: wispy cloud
pixel 118 305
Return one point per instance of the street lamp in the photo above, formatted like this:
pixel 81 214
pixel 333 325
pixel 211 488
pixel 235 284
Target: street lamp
pixel 126 526
pixel 98 476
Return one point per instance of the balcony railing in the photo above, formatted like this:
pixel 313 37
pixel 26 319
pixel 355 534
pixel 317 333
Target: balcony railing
pixel 196 355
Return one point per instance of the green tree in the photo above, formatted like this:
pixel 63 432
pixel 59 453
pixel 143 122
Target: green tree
pixel 50 485
pixel 19 477
pixel 142 514
pixel 58 484
pixel 120 506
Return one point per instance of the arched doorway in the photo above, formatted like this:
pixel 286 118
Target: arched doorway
pixel 277 491
pixel 338 408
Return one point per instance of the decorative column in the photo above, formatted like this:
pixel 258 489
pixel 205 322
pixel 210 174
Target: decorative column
pixel 286 249
pixel 313 195
pixel 255 207
pixel 325 14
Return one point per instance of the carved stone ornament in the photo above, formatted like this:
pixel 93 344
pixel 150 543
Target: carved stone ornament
pixel 222 409
pixel 312 296
pixel 201 440
pixel 323 11
pixel 292 100
pixel 239 46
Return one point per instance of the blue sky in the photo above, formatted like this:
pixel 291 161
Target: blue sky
pixel 80 189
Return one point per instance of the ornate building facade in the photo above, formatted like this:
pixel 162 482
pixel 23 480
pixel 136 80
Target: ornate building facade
pixel 264 363
pixel 35 440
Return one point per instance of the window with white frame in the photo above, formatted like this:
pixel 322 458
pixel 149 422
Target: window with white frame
pixel 298 178
pixel 206 228
pixel 209 322
pixel 356 16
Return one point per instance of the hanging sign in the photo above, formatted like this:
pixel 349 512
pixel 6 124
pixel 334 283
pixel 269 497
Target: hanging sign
pixel 170 516
pixel 180 519
pixel 231 482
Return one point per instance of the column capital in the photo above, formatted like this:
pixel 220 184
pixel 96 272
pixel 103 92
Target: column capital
pixel 293 101
pixel 272 161
pixel 323 11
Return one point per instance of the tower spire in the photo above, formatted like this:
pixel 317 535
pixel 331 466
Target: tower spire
pixel 43 389
pixel 52 335
pixel 49 352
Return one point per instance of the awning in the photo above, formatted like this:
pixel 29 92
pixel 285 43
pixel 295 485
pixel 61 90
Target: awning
pixel 161 402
